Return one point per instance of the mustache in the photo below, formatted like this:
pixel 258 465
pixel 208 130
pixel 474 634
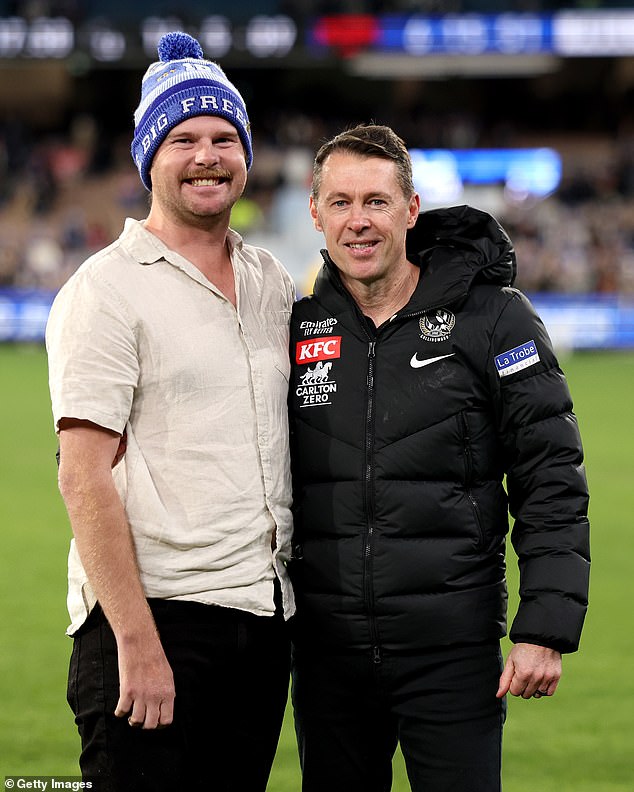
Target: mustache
pixel 216 173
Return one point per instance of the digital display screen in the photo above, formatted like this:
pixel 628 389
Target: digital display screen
pixel 441 174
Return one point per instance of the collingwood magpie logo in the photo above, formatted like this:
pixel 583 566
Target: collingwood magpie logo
pixel 437 325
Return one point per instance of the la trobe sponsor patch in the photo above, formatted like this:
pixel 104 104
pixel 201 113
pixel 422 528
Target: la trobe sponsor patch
pixel 516 359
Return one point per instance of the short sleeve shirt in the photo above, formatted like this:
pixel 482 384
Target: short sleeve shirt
pixel 139 340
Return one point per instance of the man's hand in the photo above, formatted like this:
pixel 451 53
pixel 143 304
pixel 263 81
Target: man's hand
pixel 530 671
pixel 146 686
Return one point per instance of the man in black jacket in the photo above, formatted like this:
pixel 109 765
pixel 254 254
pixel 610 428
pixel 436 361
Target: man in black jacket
pixel 421 379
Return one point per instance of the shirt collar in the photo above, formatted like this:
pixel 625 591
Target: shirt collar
pixel 148 248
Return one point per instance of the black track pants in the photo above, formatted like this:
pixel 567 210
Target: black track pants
pixel 350 713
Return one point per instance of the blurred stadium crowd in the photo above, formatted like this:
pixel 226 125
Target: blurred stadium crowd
pixel 64 197
pixel 67 185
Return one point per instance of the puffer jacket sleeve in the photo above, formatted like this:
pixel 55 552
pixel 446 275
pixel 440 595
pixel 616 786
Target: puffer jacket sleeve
pixel 547 488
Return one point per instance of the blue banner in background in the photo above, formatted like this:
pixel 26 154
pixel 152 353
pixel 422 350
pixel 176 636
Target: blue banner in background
pixel 443 173
pixel 24 313
pixel 574 321
pixel 587 321
pixel 568 33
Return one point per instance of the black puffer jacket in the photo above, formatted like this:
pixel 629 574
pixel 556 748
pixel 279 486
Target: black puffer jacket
pixel 401 439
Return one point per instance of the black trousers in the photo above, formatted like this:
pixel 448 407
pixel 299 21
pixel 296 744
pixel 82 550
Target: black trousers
pixel 351 712
pixel 231 672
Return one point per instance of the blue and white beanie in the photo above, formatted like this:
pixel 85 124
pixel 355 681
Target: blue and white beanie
pixel 182 85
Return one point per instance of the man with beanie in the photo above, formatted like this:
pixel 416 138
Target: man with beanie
pixel 168 368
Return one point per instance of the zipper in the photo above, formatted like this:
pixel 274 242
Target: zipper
pixel 466 437
pixel 368 475
pixel 423 311
pixel 368 484
pixel 466 433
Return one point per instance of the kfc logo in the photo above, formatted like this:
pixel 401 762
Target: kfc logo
pixel 325 348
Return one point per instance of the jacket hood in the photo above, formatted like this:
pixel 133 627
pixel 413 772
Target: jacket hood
pixel 472 232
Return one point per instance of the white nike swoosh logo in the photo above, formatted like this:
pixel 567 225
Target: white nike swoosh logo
pixel 416 363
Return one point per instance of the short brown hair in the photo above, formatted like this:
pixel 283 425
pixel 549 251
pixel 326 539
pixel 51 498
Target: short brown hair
pixel 368 140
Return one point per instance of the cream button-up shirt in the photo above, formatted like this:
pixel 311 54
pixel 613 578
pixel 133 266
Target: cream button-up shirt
pixel 139 340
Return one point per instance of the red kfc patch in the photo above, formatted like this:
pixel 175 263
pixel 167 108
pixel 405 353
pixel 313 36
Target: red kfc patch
pixel 314 349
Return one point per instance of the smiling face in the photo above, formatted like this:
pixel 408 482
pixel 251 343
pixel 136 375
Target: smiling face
pixel 364 215
pixel 198 172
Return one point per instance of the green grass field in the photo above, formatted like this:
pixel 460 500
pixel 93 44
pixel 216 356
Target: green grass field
pixel 579 741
